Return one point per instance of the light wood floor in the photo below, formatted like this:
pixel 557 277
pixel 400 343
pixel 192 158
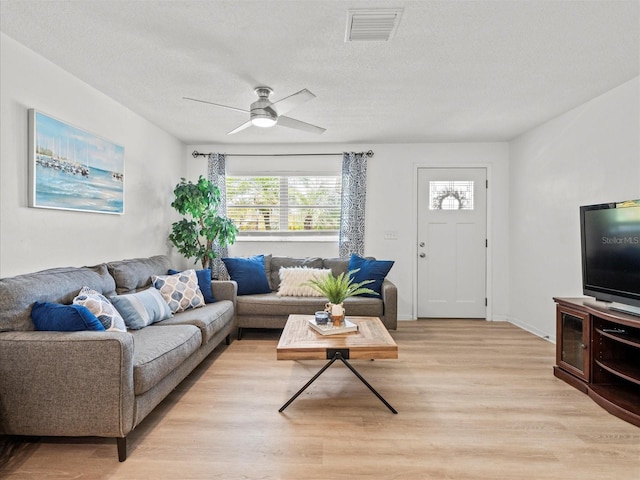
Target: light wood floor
pixel 476 400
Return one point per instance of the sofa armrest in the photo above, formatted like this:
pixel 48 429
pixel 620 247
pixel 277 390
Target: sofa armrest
pixel 225 290
pixel 390 301
pixel 66 383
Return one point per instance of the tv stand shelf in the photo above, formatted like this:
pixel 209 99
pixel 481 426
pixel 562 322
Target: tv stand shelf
pixel 598 352
pixel 621 370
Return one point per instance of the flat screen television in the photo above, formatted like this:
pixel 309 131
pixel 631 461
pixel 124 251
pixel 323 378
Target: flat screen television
pixel 610 237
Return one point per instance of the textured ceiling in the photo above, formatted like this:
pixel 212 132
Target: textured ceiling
pixel 455 70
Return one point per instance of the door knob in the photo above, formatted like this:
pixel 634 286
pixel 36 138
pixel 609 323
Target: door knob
pixel 422 255
pixel 421 244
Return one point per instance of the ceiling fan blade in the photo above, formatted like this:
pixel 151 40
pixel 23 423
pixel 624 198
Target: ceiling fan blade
pixel 292 101
pixel 293 123
pixel 217 105
pixel 241 127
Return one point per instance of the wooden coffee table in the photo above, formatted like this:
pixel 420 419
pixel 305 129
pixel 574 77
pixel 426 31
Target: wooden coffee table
pixel 371 341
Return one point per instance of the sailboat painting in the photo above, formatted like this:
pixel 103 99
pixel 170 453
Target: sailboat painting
pixel 71 169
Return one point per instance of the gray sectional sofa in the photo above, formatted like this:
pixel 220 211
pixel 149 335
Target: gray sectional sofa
pixel 268 310
pixel 97 383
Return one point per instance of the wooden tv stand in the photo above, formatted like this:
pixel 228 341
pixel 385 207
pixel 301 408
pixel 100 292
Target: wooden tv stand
pixel 598 352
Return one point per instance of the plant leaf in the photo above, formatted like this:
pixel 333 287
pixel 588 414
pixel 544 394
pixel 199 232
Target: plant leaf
pixel 338 289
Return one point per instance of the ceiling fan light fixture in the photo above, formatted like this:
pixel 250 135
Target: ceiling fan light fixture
pixel 263 114
pixel 263 121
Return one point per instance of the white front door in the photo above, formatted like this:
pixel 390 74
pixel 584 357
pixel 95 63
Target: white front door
pixel 452 226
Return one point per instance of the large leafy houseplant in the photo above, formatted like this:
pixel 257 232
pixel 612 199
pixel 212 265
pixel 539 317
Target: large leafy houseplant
pixel 194 237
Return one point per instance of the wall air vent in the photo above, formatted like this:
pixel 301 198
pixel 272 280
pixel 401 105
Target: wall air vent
pixel 372 25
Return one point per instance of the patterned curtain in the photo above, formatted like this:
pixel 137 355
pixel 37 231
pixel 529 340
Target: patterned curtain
pixel 216 176
pixel 354 186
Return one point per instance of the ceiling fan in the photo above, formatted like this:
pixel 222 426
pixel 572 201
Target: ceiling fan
pixel 264 113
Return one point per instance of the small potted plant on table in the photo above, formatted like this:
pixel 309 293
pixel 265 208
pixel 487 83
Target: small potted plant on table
pixel 337 290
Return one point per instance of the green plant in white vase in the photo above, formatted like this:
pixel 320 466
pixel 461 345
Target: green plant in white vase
pixel 337 290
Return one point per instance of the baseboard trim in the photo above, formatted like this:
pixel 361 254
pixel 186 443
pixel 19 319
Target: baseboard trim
pixel 531 329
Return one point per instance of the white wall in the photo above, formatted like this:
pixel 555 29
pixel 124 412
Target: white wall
pixel 32 238
pixel 390 204
pixel 588 155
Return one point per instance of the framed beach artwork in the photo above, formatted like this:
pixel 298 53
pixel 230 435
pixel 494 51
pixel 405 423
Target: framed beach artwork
pixel 71 169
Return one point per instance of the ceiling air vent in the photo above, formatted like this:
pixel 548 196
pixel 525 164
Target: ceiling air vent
pixel 372 25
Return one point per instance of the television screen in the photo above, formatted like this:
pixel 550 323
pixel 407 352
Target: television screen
pixel 611 251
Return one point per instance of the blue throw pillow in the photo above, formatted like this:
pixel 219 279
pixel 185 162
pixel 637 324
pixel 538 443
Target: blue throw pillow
pixel 375 270
pixel 204 282
pixel 64 318
pixel 142 308
pixel 248 273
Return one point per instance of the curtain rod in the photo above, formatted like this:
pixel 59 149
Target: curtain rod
pixel 197 154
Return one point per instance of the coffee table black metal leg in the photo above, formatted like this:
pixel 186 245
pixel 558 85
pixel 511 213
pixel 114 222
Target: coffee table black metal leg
pixel 338 356
pixel 308 383
pixel 357 374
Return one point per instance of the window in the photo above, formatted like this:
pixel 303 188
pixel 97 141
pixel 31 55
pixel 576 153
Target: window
pixel 291 204
pixel 451 195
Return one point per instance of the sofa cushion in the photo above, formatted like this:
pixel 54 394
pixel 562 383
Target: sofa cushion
pixel 56 285
pixel 159 351
pixel 272 304
pixel 204 282
pixel 141 309
pixel 337 265
pixel 135 274
pixel 98 304
pixel 63 318
pixel 287 262
pixel 294 281
pixel 248 273
pixel 267 269
pixel 180 291
pixel 369 269
pixel 210 319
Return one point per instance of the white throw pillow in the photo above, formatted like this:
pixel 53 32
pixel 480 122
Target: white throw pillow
pixel 292 280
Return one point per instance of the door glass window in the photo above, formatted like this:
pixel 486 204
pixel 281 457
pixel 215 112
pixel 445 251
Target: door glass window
pixel 451 195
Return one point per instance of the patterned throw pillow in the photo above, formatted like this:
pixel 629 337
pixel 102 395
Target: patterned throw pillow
pixel 204 282
pixel 292 280
pixel 101 308
pixel 180 291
